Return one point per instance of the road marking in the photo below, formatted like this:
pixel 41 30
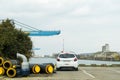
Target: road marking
pixel 116 71
pixel 84 71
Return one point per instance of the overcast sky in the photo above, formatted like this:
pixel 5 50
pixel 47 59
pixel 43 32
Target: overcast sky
pixel 85 25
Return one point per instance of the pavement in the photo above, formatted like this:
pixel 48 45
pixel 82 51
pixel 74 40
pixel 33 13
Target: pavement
pixel 84 73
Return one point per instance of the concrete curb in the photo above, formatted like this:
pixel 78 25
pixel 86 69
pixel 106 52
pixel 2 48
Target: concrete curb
pixel 101 65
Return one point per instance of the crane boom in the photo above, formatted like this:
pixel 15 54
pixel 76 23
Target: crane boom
pixel 34 31
pixel 43 33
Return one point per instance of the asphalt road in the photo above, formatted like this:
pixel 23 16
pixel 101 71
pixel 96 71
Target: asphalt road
pixel 84 73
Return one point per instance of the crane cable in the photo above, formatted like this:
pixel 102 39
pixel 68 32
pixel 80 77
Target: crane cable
pixel 25 25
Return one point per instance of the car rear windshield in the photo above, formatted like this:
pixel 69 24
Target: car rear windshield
pixel 66 55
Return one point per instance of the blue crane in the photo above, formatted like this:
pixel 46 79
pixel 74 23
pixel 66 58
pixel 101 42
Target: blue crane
pixel 43 33
pixel 36 32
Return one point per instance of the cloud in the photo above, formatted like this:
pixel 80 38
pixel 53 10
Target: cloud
pixel 85 10
pixel 86 23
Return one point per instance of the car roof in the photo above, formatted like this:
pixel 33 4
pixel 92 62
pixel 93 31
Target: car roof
pixel 67 53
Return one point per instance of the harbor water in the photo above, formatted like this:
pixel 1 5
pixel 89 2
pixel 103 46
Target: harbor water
pixel 87 62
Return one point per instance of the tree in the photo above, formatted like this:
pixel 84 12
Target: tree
pixel 13 41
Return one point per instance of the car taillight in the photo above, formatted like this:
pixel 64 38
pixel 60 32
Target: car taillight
pixel 75 59
pixel 58 59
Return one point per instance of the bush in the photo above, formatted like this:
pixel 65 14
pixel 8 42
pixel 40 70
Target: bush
pixel 13 41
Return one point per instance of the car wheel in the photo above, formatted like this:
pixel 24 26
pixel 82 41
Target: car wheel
pixel 76 69
pixel 58 69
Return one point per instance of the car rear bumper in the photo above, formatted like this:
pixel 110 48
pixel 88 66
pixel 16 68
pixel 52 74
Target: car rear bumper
pixel 67 65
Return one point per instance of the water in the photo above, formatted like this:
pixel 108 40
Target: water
pixel 42 60
pixel 87 62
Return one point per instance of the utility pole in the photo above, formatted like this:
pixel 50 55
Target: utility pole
pixel 63 46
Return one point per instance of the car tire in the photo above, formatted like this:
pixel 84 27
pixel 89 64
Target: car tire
pixel 58 69
pixel 76 69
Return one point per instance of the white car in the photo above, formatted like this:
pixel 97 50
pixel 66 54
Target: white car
pixel 67 60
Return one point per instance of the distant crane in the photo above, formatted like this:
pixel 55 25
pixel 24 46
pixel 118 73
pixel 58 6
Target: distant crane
pixel 36 32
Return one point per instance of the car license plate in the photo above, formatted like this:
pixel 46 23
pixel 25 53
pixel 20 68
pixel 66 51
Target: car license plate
pixel 66 64
pixel 66 60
